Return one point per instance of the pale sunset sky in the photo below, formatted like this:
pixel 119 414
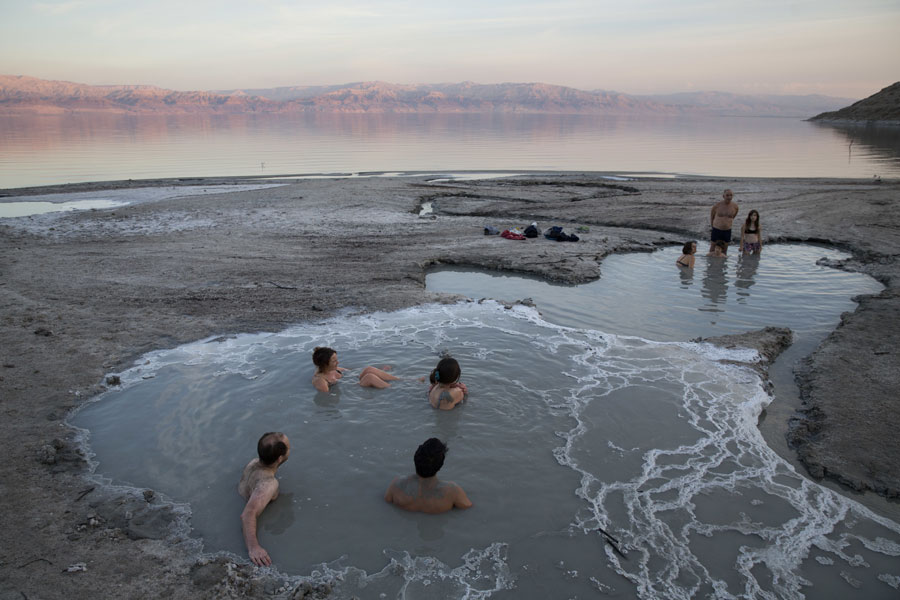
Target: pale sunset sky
pixel 848 48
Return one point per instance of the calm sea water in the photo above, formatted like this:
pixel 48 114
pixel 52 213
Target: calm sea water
pixel 568 428
pixel 77 148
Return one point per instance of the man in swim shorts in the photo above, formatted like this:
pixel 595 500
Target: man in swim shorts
pixel 259 487
pixel 720 219
pixel 423 491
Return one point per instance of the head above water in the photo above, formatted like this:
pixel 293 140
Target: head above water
pixel 271 447
pixel 321 356
pixel 689 248
pixel 429 457
pixel 447 371
pixel 727 195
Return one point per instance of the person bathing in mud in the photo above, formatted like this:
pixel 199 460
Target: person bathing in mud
pixel 423 491
pixel 751 234
pixel 446 390
pixel 686 259
pixel 328 372
pixel 258 486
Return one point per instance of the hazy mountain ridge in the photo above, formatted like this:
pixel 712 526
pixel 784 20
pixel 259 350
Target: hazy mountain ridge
pixel 881 107
pixel 22 94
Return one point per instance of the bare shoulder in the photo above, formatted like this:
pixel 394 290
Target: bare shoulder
pixel 460 499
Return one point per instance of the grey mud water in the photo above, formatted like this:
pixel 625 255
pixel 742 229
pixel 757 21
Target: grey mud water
pixel 85 293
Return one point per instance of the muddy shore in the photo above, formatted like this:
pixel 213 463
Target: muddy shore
pixel 86 293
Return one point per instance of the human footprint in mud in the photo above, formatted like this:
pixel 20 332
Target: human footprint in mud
pixel 259 487
pixel 328 372
pixel 423 491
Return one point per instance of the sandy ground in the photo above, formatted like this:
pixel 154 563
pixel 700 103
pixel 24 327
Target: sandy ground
pixel 84 294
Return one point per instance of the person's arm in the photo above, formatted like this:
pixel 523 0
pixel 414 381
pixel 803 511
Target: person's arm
pixel 691 261
pixel 712 214
pixel 262 495
pixel 320 384
pixel 460 500
pixel 759 235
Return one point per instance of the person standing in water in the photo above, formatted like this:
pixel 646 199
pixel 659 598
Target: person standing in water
pixel 259 487
pixel 423 491
pixel 328 372
pixel 751 234
pixel 721 218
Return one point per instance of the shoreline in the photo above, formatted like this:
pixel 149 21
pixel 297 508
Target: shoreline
pixel 87 292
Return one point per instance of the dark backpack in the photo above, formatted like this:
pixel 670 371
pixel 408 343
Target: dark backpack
pixel 531 231
pixel 553 232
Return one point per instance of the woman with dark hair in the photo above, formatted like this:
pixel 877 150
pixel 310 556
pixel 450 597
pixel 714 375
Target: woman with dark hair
pixel 751 234
pixel 328 372
pixel 686 259
pixel 446 390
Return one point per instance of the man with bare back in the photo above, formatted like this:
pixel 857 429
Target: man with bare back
pixel 720 219
pixel 423 491
pixel 259 487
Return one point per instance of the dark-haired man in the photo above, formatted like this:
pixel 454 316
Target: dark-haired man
pixel 423 491
pixel 259 487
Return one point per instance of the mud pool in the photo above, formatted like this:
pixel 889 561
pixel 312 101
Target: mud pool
pixel 578 419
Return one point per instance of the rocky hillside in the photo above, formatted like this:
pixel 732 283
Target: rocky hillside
pixel 883 107
pixel 28 95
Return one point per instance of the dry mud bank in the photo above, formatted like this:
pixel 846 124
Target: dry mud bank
pixel 87 293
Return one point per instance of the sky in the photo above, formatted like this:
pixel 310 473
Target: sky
pixel 846 48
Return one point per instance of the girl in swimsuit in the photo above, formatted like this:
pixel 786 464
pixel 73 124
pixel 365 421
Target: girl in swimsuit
pixel 687 255
pixel 328 372
pixel 446 390
pixel 751 234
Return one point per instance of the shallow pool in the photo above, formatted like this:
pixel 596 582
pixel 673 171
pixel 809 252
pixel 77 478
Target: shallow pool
pixel 567 429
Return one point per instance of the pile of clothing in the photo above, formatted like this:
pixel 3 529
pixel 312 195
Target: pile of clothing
pixel 532 231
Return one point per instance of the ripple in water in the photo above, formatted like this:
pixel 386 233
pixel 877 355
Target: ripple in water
pixel 566 430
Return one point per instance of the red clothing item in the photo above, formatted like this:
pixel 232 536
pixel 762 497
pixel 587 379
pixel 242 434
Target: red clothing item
pixel 511 236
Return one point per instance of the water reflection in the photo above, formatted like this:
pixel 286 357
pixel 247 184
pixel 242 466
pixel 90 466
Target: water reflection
pixel 715 284
pixel 55 149
pixel 744 277
pixel 868 144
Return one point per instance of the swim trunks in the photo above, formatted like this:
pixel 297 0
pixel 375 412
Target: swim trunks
pixel 720 234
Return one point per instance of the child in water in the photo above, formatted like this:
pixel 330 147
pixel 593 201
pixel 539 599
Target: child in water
pixel 719 250
pixel 328 372
pixel 446 390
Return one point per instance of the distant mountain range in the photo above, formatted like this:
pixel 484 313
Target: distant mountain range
pixel 29 95
pixel 882 107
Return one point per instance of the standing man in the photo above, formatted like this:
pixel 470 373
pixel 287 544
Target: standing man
pixel 259 487
pixel 720 219
pixel 423 491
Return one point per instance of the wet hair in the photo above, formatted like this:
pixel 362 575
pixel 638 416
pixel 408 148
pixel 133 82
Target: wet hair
pixel 270 447
pixel 688 248
pixel 429 457
pixel 321 356
pixel 747 223
pixel 722 244
pixel 446 371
